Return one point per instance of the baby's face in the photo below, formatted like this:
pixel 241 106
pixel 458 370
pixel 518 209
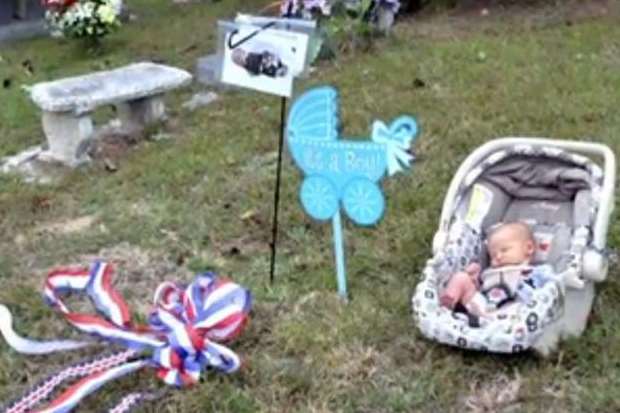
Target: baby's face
pixel 238 56
pixel 509 246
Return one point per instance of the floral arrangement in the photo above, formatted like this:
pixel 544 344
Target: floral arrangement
pixel 304 8
pixel 88 19
pixel 391 5
pixel 310 8
pixel 343 24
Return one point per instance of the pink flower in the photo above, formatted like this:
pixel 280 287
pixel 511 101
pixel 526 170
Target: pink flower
pixel 59 5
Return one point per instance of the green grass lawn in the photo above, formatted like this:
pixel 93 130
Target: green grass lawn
pixel 203 200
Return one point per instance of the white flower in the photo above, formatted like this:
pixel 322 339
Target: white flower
pixel 89 10
pixel 117 5
pixel 106 14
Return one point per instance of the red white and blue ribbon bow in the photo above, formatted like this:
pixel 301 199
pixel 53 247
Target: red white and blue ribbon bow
pixel 180 340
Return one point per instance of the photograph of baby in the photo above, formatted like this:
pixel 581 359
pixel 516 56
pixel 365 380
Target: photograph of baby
pixel 268 61
pixel 261 63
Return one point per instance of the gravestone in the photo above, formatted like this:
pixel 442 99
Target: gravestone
pixel 12 11
pixel 207 69
pixel 21 19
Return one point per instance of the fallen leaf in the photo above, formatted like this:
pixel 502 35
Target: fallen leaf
pixel 189 48
pixel 40 203
pixel 70 226
pixel 248 214
pixel 418 83
pixel 28 67
pixel 109 165
pixel 19 240
pixel 182 257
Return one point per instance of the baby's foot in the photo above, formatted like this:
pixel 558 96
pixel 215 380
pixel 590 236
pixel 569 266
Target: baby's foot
pixel 477 306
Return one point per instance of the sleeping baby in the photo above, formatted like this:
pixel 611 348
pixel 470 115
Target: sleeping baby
pixel 511 247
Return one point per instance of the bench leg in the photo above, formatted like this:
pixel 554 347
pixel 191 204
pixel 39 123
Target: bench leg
pixel 21 9
pixel 68 136
pixel 136 114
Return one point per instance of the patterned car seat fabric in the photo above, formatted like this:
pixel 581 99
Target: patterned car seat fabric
pixel 555 193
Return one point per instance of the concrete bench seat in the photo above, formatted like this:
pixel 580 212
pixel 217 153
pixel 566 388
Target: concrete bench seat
pixel 136 90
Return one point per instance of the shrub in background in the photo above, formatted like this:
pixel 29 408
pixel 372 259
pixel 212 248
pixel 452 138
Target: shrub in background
pixel 344 24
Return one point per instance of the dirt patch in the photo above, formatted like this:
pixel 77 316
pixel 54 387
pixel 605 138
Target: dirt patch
pixel 501 394
pixel 576 9
pixel 481 15
pixel 112 143
pixel 139 272
pixel 261 162
pixel 110 146
pixel 581 10
pixel 70 226
pixel 244 246
pixel 255 240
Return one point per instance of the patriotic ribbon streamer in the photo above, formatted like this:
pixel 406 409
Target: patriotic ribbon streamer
pixel 44 388
pixel 26 346
pixel 180 340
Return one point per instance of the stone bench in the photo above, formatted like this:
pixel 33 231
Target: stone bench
pixel 136 90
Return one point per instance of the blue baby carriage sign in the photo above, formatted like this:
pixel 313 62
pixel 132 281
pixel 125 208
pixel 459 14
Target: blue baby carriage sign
pixel 340 172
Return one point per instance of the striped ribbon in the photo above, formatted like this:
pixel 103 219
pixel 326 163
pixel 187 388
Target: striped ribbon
pixel 180 340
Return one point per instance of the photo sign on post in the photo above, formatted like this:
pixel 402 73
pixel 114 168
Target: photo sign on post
pixel 265 55
pixel 262 55
pixel 341 173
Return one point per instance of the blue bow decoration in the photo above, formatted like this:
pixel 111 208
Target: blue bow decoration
pixel 397 139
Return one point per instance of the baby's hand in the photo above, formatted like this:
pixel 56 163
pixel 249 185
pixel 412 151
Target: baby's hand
pixel 473 269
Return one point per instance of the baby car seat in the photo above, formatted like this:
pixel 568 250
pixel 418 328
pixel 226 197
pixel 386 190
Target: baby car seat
pixel 566 199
